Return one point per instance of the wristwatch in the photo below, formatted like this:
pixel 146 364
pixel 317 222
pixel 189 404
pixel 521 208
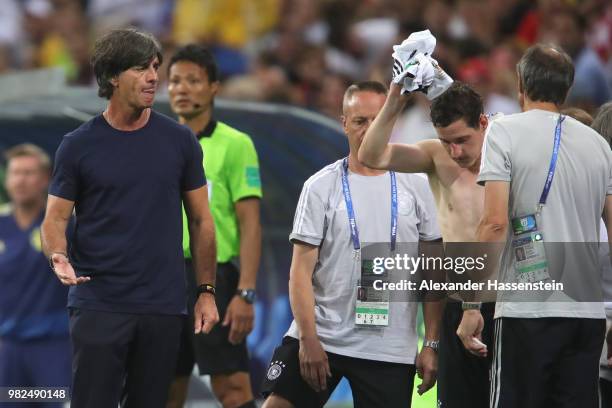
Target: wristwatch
pixel 248 295
pixel 432 344
pixel 206 288
pixel 471 305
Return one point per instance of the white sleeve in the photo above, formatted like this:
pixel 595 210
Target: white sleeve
pixel 495 162
pixel 309 221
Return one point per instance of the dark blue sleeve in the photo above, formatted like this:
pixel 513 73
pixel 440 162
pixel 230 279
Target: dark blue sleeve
pixel 193 171
pixel 64 181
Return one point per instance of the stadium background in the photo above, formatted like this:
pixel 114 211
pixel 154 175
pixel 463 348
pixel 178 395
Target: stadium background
pixel 284 67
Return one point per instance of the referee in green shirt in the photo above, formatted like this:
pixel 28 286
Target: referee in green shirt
pixel 234 186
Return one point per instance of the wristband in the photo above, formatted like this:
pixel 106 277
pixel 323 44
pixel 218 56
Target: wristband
pixel 206 288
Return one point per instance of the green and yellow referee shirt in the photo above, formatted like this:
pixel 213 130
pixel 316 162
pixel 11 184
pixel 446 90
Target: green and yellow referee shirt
pixel 232 173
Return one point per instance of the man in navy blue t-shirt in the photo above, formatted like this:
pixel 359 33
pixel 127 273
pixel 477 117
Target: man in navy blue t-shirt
pixel 126 173
pixel 34 342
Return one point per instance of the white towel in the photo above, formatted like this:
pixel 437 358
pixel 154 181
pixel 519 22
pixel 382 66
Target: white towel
pixel 415 69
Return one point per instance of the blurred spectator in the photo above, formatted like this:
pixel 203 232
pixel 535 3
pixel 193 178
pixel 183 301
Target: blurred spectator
pixel 230 23
pixel 591 89
pixel 66 43
pixel 153 16
pixel 329 101
pixel 291 51
pixel 10 32
pixel 34 342
pixel 603 125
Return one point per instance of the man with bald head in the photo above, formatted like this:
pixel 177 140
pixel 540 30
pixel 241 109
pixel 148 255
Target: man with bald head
pixel 335 333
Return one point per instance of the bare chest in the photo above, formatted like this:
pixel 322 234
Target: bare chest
pixel 460 203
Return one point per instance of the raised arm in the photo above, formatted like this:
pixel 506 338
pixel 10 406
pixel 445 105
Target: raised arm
pixel 376 151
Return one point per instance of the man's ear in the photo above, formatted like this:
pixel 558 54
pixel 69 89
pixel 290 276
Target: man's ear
pixel 214 87
pixel 520 87
pixel 483 121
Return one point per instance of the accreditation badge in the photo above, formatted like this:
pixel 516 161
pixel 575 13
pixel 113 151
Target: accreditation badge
pixel 372 306
pixel 530 264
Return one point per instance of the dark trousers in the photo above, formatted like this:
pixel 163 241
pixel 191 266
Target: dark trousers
pixel 546 362
pixel 120 357
pixel 605 392
pixel 463 378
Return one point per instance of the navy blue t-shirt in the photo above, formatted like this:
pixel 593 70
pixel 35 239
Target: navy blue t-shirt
pixel 127 189
pixel 32 299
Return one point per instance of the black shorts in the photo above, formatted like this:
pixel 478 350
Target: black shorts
pixel 463 378
pixel 213 352
pixel 373 383
pixel 546 362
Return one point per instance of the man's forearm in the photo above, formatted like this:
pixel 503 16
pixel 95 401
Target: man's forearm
pixel 494 234
pixel 250 253
pixel 301 296
pixel 203 250
pixel 53 236
pixel 432 315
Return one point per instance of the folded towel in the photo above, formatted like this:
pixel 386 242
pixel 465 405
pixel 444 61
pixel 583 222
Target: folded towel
pixel 414 68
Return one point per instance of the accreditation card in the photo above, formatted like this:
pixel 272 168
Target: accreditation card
pixel 372 306
pixel 530 264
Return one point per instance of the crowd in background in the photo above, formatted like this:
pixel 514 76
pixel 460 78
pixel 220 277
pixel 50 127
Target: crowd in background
pixel 305 52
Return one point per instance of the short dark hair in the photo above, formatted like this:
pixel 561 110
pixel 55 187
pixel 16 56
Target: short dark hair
pixel 363 86
pixel 603 122
pixel 459 101
pixel 199 55
pixel 120 50
pixel 546 73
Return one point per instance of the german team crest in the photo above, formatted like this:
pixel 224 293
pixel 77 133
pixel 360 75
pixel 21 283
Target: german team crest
pixel 275 370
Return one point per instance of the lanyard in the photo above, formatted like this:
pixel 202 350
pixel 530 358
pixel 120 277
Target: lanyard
pixel 351 213
pixel 553 163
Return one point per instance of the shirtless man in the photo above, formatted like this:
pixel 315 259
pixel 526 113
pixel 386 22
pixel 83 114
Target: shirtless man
pixel 451 163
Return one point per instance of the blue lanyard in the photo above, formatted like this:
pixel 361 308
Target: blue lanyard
pixel 351 213
pixel 553 163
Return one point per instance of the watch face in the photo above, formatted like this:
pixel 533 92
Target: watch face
pixel 248 295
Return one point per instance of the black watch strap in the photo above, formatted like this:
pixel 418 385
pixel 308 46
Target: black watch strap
pixel 206 288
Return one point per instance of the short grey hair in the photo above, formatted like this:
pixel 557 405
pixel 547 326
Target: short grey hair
pixel 546 73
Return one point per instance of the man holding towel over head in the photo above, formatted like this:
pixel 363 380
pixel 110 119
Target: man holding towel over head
pixel 451 164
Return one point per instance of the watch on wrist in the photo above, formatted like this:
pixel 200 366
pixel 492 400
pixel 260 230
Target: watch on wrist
pixel 206 288
pixel 471 305
pixel 248 295
pixel 432 344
